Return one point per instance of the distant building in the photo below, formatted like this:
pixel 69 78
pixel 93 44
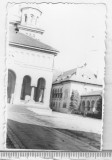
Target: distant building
pixel 79 79
pixel 30 62
pixel 90 102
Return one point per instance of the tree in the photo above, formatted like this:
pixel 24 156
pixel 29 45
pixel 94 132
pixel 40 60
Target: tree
pixel 75 101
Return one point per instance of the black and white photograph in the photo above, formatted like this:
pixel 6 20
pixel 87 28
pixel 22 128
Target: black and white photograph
pixel 55 76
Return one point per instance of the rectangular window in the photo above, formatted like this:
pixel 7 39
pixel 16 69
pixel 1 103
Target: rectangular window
pixel 64 105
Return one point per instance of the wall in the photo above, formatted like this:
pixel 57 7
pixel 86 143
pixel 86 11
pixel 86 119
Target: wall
pixel 30 58
pixel 83 88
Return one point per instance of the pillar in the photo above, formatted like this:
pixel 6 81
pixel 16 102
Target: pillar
pixel 18 88
pixel 32 94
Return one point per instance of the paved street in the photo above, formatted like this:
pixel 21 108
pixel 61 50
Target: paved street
pixel 56 132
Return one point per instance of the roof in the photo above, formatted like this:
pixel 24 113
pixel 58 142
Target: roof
pixel 80 74
pixel 24 8
pixel 20 39
pixel 93 93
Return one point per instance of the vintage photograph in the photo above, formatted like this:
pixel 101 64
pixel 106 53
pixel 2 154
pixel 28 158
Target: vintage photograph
pixel 55 76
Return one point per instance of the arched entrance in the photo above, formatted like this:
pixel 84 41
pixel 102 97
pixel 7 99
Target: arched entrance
pixel 39 90
pixel 26 88
pixel 83 107
pixel 92 104
pixel 88 105
pixel 11 86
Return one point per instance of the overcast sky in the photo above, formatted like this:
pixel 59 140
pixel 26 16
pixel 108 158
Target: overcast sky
pixel 77 31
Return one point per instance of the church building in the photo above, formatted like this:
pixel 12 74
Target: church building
pixel 29 62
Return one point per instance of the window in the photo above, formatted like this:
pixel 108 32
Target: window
pixel 32 16
pixel 25 17
pixel 58 94
pixel 54 93
pixel 88 105
pixel 64 105
pixel 61 93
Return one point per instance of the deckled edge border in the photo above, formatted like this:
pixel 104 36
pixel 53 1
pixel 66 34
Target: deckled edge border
pixel 3 108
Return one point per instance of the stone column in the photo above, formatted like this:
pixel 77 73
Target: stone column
pixel 32 94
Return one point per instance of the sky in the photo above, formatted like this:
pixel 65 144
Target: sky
pixel 77 31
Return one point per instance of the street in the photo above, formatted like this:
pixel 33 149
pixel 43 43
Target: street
pixel 27 130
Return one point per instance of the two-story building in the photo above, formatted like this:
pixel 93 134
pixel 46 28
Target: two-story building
pixel 79 79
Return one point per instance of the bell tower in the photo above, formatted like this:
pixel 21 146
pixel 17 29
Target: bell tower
pixel 28 22
pixel 30 17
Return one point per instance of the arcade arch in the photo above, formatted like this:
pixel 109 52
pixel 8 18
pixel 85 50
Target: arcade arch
pixel 26 88
pixel 83 106
pixel 11 86
pixel 39 90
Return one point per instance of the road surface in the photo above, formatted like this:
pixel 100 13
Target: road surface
pixel 27 130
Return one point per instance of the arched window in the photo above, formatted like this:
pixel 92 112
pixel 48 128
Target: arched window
pixel 11 86
pixel 32 17
pixel 25 18
pixel 36 20
pixel 92 104
pixel 58 93
pixel 26 87
pixel 39 91
pixel 61 93
pixel 88 105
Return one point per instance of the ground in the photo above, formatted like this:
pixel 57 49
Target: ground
pixel 58 131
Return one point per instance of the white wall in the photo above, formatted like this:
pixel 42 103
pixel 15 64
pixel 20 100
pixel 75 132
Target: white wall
pixel 36 65
pixel 83 88
pixel 30 57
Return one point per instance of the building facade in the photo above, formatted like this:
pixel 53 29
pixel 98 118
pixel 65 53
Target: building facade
pixel 80 80
pixel 90 102
pixel 29 62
